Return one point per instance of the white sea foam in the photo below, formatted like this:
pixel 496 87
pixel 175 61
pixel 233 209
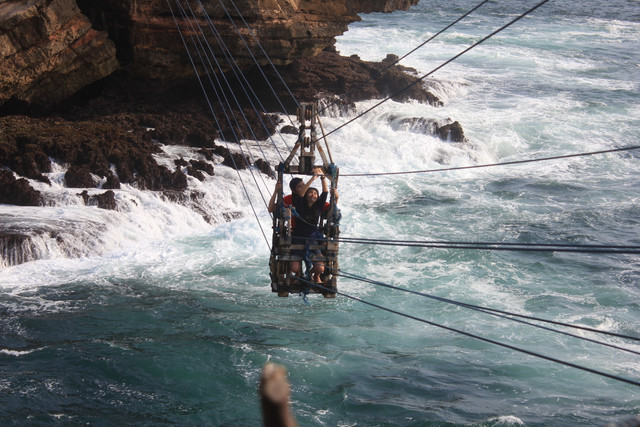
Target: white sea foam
pixel 16 353
pixel 506 420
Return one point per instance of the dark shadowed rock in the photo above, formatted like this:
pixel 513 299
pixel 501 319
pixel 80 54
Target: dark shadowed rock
pixel 17 191
pixel 90 147
pixel 112 182
pixel 106 200
pixel 265 167
pixel 202 165
pixel 328 74
pixel 452 132
pixel 289 130
pixel 235 160
pixel 79 176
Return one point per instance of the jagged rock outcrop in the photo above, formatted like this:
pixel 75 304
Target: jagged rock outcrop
pixel 49 50
pixel 327 74
pixel 452 132
pixel 17 191
pixel 449 131
pixel 118 142
pixel 368 6
pixel 106 200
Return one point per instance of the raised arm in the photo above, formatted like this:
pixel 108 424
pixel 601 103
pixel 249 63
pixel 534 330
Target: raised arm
pixel 316 173
pixel 272 202
pixel 325 186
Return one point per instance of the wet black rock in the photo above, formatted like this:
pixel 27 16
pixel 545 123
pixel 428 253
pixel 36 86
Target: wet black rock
pixel 17 191
pixel 451 132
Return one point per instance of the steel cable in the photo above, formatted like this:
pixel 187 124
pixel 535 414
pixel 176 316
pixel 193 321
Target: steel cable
pixel 377 73
pixel 228 103
pixel 481 338
pixel 514 162
pixel 438 67
pixel 214 115
pixel 505 314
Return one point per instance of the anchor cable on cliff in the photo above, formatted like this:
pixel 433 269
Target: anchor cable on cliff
pixel 264 53
pixel 231 61
pixel 418 80
pixel 200 52
pixel 214 115
pixel 243 81
pixel 240 77
pixel 380 72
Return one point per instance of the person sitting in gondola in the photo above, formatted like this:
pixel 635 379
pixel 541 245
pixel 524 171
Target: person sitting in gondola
pixel 298 190
pixel 297 200
pixel 306 231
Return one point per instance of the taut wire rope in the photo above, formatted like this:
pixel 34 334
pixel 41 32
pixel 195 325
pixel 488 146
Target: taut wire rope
pixel 481 338
pixel 505 314
pixel 377 73
pixel 233 65
pixel 265 54
pixel 239 140
pixel 497 246
pixel 245 84
pixel 513 21
pixel 214 115
pixel 514 162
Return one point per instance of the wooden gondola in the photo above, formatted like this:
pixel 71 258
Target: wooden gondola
pixel 282 280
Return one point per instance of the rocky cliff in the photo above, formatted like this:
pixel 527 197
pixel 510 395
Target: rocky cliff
pixel 82 82
pixel 49 49
pixel 95 86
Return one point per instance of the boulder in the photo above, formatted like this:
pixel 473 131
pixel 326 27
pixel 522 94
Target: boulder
pixel 106 200
pixel 79 176
pixel 265 167
pixel 451 132
pixel 17 191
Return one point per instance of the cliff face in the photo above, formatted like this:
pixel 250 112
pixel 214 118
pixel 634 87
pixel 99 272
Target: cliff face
pixel 49 49
pixel 287 29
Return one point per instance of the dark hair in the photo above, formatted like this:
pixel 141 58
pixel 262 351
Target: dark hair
pixel 293 183
pixel 309 189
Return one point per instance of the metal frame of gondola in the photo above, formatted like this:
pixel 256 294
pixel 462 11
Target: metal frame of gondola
pixel 282 280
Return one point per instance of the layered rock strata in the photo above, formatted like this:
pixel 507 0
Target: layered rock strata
pixel 151 43
pixel 49 50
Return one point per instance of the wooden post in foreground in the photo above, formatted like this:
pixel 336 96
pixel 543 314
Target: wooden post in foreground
pixel 274 397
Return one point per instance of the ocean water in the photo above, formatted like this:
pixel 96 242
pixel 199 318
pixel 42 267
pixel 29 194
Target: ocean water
pixel 151 315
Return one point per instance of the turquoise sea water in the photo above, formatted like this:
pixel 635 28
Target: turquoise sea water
pixel 152 316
